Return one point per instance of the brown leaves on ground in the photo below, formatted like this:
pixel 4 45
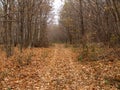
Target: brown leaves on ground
pixel 56 68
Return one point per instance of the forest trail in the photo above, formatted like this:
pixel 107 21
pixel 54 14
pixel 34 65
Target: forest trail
pixel 55 68
pixel 61 73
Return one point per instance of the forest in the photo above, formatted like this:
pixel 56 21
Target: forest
pixel 73 47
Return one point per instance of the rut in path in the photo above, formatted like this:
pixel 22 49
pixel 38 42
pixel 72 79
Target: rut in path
pixel 61 72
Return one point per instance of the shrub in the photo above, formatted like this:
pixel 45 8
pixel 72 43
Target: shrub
pixel 80 58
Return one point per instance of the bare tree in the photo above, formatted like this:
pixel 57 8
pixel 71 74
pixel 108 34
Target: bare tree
pixel 24 23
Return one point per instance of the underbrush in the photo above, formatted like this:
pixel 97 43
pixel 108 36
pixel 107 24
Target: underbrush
pixel 95 53
pixel 103 61
pixel 24 59
pixel 67 45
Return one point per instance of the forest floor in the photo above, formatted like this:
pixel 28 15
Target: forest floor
pixel 56 68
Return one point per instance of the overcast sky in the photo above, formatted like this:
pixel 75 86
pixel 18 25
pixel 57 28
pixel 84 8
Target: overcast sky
pixel 57 7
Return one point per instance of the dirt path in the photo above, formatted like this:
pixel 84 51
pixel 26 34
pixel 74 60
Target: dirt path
pixel 60 72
